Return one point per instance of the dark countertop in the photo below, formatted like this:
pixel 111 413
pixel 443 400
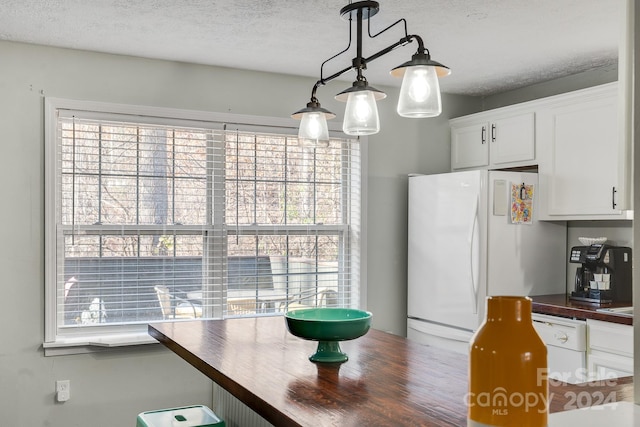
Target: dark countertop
pixel 561 305
pixel 388 380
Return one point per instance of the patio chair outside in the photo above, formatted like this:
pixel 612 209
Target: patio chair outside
pixel 239 306
pixel 174 307
pixel 324 298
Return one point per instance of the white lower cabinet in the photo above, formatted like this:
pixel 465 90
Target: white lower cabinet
pixel 610 351
pixel 605 366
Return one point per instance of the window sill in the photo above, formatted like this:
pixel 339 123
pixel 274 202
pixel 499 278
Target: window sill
pixel 65 346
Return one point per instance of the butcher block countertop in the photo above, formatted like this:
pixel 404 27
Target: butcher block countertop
pixel 388 380
pixel 561 305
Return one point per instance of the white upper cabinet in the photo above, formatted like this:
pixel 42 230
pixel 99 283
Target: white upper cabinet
pixel 584 163
pixel 494 139
pixel 578 141
pixel 512 140
pixel 469 145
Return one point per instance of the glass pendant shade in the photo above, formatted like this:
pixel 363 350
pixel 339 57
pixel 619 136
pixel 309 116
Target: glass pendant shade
pixel 361 114
pixel 420 93
pixel 313 128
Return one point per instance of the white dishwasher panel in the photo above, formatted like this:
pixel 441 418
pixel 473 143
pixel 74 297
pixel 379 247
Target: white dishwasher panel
pixel 566 341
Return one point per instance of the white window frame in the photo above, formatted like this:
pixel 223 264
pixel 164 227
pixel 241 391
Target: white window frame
pixel 79 341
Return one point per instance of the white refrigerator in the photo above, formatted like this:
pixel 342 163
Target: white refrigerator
pixel 474 234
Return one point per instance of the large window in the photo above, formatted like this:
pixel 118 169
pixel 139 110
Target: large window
pixel 168 215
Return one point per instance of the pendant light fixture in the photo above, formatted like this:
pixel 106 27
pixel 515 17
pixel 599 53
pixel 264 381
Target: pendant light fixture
pixel 313 129
pixel 419 93
pixel 361 113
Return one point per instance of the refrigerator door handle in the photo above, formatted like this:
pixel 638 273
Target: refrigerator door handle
pixel 474 285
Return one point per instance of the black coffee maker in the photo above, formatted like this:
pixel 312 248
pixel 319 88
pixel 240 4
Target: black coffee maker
pixel 605 274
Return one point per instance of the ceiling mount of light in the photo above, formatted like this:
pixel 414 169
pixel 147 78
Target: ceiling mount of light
pixel 419 93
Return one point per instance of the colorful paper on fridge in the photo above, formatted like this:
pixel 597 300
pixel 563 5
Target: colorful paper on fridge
pixel 522 203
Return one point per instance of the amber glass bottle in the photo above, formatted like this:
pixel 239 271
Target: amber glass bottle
pixel 508 383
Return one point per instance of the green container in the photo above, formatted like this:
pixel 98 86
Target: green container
pixel 188 416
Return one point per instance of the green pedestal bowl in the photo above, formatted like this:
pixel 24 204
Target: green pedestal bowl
pixel 328 326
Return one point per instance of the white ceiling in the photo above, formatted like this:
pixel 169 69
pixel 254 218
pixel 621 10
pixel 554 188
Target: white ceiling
pixel 490 45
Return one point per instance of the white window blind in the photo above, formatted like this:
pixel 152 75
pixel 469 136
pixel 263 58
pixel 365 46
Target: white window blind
pixel 160 218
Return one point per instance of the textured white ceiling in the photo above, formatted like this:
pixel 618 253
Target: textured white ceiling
pixel 490 45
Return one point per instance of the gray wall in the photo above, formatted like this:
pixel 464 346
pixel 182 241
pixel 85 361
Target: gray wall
pixel 594 77
pixel 110 388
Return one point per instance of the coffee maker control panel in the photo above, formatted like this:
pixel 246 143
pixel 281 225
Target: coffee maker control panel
pixel 575 255
pixel 593 253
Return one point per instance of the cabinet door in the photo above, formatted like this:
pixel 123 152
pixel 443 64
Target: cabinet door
pixel 581 166
pixel 610 337
pixel 606 366
pixel 512 139
pixel 610 350
pixel 469 146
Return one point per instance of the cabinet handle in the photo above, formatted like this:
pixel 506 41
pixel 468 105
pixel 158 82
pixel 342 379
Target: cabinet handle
pixel 613 197
pixel 483 134
pixel 493 132
pixel 562 337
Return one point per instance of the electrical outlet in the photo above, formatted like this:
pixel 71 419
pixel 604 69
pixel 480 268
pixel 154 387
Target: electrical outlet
pixel 63 390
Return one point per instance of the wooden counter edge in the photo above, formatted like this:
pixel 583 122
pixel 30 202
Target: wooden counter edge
pixel 562 396
pixel 560 305
pixel 265 410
